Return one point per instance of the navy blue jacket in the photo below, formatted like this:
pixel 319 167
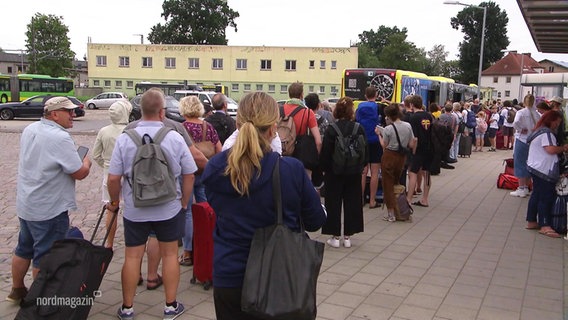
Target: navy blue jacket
pixel 239 216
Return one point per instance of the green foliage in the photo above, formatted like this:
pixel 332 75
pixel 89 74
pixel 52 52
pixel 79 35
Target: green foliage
pixel 470 20
pixel 194 22
pixel 49 47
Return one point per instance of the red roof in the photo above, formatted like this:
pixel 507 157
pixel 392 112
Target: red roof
pixel 511 65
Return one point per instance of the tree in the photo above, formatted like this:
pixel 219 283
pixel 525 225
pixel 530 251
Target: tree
pixel 194 22
pixel 470 19
pixel 437 61
pixel 49 47
pixel 388 48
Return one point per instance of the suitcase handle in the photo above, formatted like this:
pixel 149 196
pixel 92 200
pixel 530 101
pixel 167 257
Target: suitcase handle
pixel 99 222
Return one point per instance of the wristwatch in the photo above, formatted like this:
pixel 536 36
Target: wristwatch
pixel 114 203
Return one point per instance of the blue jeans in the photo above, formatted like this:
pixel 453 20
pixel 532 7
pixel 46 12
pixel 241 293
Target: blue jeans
pixel 36 237
pixel 541 201
pixel 199 195
pixel 454 150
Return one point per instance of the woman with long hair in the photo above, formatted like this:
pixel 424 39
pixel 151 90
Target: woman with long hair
pixel 543 166
pixel 238 184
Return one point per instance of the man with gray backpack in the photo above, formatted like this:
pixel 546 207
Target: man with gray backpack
pixel 155 171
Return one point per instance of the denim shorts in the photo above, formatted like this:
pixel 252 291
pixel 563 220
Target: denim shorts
pixel 137 233
pixel 520 156
pixel 479 135
pixel 37 237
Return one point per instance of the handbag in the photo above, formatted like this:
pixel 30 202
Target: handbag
pixel 205 145
pixel 282 269
pixel 562 186
pixel 305 149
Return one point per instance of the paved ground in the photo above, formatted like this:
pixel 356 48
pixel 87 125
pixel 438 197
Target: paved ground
pixel 467 256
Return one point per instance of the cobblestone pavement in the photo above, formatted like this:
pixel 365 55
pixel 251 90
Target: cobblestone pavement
pixel 467 256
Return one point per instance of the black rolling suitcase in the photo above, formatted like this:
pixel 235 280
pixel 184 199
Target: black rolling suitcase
pixel 68 281
pixel 465 146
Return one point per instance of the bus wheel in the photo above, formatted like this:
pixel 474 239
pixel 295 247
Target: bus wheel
pixel 4 98
pixel 6 114
pixel 91 106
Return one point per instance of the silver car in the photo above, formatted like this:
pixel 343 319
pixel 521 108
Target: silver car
pixel 104 100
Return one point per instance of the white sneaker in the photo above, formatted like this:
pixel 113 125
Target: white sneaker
pixel 520 192
pixel 334 242
pixel 347 242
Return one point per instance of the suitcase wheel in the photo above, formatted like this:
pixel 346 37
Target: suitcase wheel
pixel 207 285
pixel 192 281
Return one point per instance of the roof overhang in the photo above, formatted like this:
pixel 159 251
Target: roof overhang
pixel 548 24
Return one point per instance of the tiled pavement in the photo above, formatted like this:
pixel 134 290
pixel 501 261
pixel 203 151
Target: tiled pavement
pixel 467 256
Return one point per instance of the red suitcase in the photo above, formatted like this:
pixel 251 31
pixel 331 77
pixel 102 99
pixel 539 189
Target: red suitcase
pixel 203 225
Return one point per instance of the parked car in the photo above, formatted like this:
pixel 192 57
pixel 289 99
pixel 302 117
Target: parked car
pixel 105 99
pixel 172 109
pixel 33 108
pixel 206 97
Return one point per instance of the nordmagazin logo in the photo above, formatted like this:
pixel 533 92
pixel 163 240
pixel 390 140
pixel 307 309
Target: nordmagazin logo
pixel 72 302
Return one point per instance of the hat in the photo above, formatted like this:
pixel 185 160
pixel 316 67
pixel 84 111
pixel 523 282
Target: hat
pixel 57 103
pixel 556 99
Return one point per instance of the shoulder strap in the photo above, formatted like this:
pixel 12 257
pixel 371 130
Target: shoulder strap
pixel 355 129
pixel 276 193
pixel 204 131
pixel 339 134
pixel 298 109
pixel 136 138
pixel 161 134
pixel 397 136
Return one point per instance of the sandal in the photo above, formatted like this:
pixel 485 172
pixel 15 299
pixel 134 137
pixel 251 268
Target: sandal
pixel 418 203
pixel 156 283
pixel 185 261
pixel 532 226
pixel 376 205
pixel 549 233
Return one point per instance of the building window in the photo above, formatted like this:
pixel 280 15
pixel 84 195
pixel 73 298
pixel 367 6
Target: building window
pixel 271 88
pixel 283 88
pixel 508 80
pixel 118 84
pixel 146 62
pixel 241 64
pixel 129 84
pixel 170 63
pixel 20 69
pixel 495 79
pixel 96 83
pixel 322 89
pixel 217 64
pixel 333 64
pixel 333 90
pixel 107 83
pixel 312 64
pixel 259 87
pixel 507 93
pixel 246 87
pixel 265 64
pixel 193 63
pixel 101 61
pixel 311 89
pixel 322 64
pixel 235 87
pixel 499 94
pixel 9 69
pixel 290 65
pixel 124 62
pixel 551 69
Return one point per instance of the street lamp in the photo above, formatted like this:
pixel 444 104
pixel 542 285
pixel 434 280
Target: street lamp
pixel 482 35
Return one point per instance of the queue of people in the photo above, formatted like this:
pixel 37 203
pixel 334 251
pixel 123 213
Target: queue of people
pixel 234 174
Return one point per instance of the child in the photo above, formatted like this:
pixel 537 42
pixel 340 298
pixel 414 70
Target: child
pixel 493 127
pixel 480 130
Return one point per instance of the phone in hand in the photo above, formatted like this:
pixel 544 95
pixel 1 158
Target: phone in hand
pixel 380 130
pixel 82 151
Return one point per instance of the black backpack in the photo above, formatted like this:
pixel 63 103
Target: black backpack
pixel 350 152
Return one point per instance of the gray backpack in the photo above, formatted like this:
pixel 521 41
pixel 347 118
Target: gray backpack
pixel 152 180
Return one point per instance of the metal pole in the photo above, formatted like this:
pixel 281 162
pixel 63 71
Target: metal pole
pixel 481 49
pixel 521 78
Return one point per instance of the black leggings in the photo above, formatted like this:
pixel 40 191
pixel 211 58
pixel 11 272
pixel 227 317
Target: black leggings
pixel 228 304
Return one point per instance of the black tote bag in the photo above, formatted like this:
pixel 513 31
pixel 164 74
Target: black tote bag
pixel 282 269
pixel 305 149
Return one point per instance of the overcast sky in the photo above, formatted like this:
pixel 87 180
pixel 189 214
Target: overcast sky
pixel 312 23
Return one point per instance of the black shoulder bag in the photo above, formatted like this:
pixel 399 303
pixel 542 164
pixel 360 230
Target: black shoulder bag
pixel 306 150
pixel 282 269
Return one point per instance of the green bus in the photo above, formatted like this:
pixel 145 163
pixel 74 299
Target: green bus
pixel 23 86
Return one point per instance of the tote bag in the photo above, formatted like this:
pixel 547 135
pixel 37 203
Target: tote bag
pixel 282 269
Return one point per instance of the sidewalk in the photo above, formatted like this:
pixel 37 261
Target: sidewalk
pixel 467 256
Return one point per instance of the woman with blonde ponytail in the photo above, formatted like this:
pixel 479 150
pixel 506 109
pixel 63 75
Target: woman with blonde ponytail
pixel 238 184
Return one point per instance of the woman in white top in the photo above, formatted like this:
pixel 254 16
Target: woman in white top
pixel 394 155
pixel 543 167
pixel 525 121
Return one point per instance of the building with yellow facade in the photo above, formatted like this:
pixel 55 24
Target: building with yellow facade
pixel 242 69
